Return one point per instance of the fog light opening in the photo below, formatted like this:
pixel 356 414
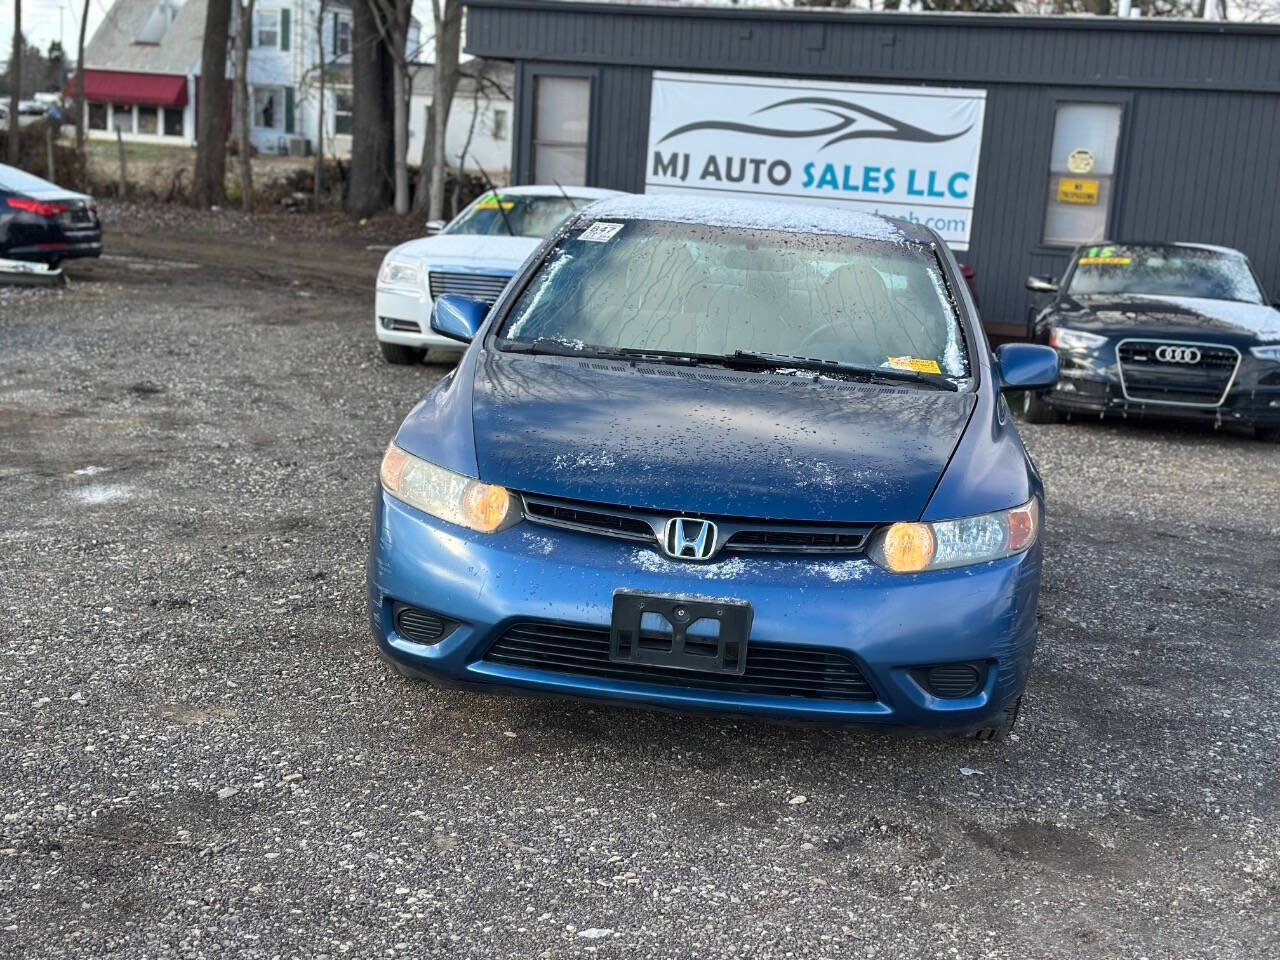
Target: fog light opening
pixel 953 681
pixel 420 626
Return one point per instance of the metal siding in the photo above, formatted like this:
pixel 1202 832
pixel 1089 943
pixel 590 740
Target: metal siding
pixel 1198 148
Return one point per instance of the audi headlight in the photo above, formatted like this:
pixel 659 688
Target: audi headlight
pixel 1066 339
pixel 398 273
pixel 446 495
pixel 1267 353
pixel 916 547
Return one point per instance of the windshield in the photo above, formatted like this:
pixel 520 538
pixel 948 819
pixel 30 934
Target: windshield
pixel 1164 271
pixel 530 216
pixel 699 290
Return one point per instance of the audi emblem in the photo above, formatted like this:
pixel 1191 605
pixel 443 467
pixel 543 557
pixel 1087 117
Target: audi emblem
pixel 1173 354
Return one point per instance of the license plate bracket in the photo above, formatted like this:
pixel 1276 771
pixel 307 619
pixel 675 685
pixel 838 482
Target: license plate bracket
pixel 681 633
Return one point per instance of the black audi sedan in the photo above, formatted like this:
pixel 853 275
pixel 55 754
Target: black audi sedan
pixel 43 222
pixel 1177 330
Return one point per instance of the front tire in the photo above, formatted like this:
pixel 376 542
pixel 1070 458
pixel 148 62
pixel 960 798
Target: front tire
pixel 401 355
pixel 1037 410
pixel 1003 727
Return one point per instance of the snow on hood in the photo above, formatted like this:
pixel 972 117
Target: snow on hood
pixel 506 253
pixel 1260 318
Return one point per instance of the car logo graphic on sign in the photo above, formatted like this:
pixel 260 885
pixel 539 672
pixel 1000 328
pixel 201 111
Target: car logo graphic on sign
pixel 689 539
pixel 1168 354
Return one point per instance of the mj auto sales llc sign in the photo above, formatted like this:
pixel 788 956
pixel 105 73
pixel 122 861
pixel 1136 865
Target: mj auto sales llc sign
pixel 909 152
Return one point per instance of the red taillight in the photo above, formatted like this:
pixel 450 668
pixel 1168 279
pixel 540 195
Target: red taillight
pixel 41 208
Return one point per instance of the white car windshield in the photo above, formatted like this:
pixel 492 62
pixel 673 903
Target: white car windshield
pixel 527 215
pixel 704 290
pixel 1170 271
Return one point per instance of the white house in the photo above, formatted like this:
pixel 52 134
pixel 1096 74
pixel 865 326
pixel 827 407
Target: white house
pixel 142 77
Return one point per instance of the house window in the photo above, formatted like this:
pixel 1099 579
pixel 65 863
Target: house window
pixel 97 116
pixel 342 113
pixel 268 28
pixel 499 124
pixel 268 108
pixel 341 36
pixel 148 120
pixel 561 107
pixel 1081 173
pixel 122 118
pixel 173 125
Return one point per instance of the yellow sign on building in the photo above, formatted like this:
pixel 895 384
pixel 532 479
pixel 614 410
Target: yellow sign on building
pixel 1077 191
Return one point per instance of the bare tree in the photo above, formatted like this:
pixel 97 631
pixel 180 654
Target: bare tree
pixel 15 83
pixel 368 188
pixel 447 15
pixel 208 186
pixel 244 40
pixel 392 18
pixel 81 119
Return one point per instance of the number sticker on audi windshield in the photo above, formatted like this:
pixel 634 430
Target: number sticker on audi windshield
pixel 600 232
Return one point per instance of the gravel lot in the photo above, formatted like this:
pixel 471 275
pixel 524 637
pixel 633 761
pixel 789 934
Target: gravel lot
pixel 201 755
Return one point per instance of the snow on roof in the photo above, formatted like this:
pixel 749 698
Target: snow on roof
pixel 725 211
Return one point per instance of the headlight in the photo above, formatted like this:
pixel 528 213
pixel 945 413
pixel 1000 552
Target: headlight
pixel 1075 339
pixel 915 547
pixel 1267 353
pixel 446 495
pixel 397 273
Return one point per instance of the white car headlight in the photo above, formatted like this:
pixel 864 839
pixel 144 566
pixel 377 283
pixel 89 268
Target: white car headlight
pixel 446 495
pixel 398 273
pixel 1066 339
pixel 1267 353
pixel 915 547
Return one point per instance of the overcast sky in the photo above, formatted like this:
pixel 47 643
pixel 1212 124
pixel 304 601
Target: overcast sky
pixel 46 20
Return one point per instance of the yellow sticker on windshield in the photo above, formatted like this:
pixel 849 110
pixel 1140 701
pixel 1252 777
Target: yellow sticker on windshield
pixel 492 202
pixel 1117 261
pixel 915 363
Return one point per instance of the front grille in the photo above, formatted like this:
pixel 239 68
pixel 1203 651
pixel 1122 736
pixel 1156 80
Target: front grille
pixel 481 286
pixel 1145 377
pixel 779 671
pixel 744 536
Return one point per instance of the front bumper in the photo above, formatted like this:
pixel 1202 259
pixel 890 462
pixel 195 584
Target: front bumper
pixel 1090 383
pixel 887 625
pixel 405 318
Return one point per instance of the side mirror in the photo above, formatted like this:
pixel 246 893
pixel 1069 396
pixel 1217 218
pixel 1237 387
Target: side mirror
pixel 459 318
pixel 434 226
pixel 1041 285
pixel 1027 366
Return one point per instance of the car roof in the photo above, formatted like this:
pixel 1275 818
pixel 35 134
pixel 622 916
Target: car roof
pixel 586 193
pixel 12 178
pixel 1232 251
pixel 750 214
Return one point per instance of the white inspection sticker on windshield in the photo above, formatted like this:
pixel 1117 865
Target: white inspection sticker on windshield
pixel 600 232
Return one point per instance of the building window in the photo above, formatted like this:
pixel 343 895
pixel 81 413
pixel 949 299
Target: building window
pixel 341 36
pixel 268 108
pixel 499 124
pixel 122 118
pixel 148 120
pixel 342 113
pixel 268 28
pixel 1081 173
pixel 561 107
pixel 173 125
pixel 97 116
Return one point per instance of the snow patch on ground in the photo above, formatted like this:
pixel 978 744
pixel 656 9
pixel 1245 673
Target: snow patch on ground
pixel 99 493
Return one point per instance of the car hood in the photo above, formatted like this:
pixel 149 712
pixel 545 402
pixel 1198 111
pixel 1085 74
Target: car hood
pixel 504 253
pixel 712 442
pixel 1181 317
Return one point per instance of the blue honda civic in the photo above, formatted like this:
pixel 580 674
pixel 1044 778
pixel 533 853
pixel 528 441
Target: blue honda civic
pixel 720 456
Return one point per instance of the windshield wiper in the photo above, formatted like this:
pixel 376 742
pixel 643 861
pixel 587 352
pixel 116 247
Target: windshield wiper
pixel 782 361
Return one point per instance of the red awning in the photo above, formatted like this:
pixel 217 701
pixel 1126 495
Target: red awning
pixel 122 86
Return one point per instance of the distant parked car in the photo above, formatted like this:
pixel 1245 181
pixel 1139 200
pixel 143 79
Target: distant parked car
pixel 1178 330
pixel 44 222
pixel 474 255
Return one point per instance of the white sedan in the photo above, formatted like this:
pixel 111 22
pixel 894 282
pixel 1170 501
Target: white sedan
pixel 475 255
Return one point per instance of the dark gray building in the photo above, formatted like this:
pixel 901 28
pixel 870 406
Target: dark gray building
pixel 1092 128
